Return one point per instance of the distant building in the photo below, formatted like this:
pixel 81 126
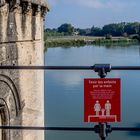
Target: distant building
pixel 75 33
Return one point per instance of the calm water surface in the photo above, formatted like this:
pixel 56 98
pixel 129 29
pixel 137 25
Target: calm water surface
pixel 64 89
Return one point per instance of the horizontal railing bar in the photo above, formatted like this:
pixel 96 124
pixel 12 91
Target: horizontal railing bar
pixel 125 129
pixel 67 67
pixel 70 129
pixel 125 68
pixel 66 128
pixel 49 67
pixel 47 128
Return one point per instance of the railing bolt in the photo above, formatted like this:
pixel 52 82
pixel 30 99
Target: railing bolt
pixel 102 69
pixel 103 129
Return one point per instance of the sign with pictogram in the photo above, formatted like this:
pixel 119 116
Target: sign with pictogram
pixel 102 100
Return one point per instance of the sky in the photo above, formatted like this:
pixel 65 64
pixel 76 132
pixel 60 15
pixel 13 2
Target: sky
pixel 86 13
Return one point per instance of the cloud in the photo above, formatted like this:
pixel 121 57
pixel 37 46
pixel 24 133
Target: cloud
pixel 115 5
pixel 89 3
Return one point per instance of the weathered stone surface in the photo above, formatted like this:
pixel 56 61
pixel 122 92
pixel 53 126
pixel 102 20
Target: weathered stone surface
pixel 2 3
pixel 21 43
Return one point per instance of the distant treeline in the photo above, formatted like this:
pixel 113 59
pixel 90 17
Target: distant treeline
pixel 115 29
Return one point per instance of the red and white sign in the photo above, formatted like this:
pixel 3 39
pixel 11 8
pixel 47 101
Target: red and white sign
pixel 102 100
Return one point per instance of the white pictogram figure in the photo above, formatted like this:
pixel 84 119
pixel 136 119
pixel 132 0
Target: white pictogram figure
pixel 103 111
pixel 97 108
pixel 107 108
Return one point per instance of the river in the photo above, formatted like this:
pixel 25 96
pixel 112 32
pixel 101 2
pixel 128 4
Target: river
pixel 64 94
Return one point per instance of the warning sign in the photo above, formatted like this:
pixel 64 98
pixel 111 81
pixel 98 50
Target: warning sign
pixel 102 100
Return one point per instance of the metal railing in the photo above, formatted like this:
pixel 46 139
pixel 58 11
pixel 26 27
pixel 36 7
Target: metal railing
pixel 103 129
pixel 94 67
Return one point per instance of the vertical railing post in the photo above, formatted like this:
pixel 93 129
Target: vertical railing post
pixel 102 128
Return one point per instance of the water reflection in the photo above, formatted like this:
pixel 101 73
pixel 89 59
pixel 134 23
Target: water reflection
pixel 64 89
pixel 134 133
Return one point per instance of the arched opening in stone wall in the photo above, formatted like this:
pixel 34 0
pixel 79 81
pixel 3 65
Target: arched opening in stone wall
pixel 9 107
pixel 9 93
pixel 4 120
pixel 0 129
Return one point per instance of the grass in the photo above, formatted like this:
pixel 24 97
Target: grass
pixel 67 41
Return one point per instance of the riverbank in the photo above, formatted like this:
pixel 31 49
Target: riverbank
pixel 85 40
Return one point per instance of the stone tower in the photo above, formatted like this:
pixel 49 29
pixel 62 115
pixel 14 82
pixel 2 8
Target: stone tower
pixel 22 91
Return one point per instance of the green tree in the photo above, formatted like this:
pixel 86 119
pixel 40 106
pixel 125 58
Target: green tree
pixel 114 29
pixel 67 29
pixel 132 28
pixel 95 31
pixel 84 32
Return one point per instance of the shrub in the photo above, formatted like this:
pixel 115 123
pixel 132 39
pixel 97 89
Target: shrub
pixel 108 36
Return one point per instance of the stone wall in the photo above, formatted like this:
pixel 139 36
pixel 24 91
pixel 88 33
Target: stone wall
pixel 21 43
